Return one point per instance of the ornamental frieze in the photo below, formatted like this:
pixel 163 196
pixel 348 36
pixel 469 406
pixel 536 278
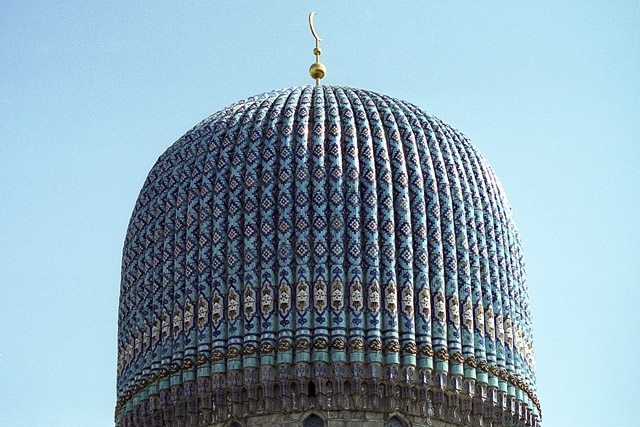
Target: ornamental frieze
pixel 374 297
pixel 266 301
pixel 489 323
pixel 302 296
pixel 217 308
pixel 203 312
pixel 188 315
pixel 249 303
pixel 337 296
pixel 467 313
pixel 233 304
pixel 454 310
pixel 440 306
pixel 424 301
pixel 284 297
pixel 155 330
pixel 320 296
pixel 357 297
pixel 479 318
pixel 166 326
pixel 407 300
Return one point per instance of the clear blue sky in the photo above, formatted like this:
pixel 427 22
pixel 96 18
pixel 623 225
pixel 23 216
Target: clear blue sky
pixel 91 93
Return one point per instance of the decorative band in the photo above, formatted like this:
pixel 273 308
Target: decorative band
pixel 266 348
pixel 411 348
pixel 321 344
pixel 303 344
pixel 201 359
pixel 285 345
pixel 357 344
pixel 393 346
pixel 375 345
pixel 249 349
pixel 442 354
pixel 233 352
pixel 427 350
pixel 457 357
pixel 339 344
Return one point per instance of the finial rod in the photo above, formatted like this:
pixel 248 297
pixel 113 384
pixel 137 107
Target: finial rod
pixel 317 69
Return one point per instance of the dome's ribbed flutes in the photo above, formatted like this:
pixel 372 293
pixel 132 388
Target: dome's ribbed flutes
pixel 322 241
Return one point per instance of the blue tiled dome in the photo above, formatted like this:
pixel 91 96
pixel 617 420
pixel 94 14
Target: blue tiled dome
pixel 318 238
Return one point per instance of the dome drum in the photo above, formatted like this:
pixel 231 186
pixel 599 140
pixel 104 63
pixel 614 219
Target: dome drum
pixel 326 248
pixel 416 393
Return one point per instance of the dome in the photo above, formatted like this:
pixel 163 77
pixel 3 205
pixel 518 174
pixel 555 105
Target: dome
pixel 323 249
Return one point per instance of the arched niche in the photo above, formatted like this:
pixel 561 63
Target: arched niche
pixel 396 422
pixel 313 420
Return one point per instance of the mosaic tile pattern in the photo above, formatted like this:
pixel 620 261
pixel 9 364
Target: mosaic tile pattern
pixel 315 228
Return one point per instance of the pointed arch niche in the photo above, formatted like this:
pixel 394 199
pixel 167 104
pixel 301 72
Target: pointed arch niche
pixel 313 420
pixel 396 422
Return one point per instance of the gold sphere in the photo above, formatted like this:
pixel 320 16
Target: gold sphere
pixel 317 70
pixel 317 51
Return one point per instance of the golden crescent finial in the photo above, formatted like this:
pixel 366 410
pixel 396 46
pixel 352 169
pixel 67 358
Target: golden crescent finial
pixel 313 30
pixel 317 70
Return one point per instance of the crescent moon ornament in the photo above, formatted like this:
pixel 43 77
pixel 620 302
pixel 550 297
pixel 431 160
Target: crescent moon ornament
pixel 317 69
pixel 313 31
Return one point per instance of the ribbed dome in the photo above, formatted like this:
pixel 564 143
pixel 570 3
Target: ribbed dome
pixel 315 242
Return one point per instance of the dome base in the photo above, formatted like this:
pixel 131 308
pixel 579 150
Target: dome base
pixel 340 419
pixel 429 398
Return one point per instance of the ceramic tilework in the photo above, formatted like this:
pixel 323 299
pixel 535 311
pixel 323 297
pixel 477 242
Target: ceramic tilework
pixel 321 224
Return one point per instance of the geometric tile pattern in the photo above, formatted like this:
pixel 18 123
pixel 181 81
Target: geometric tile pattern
pixel 322 224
